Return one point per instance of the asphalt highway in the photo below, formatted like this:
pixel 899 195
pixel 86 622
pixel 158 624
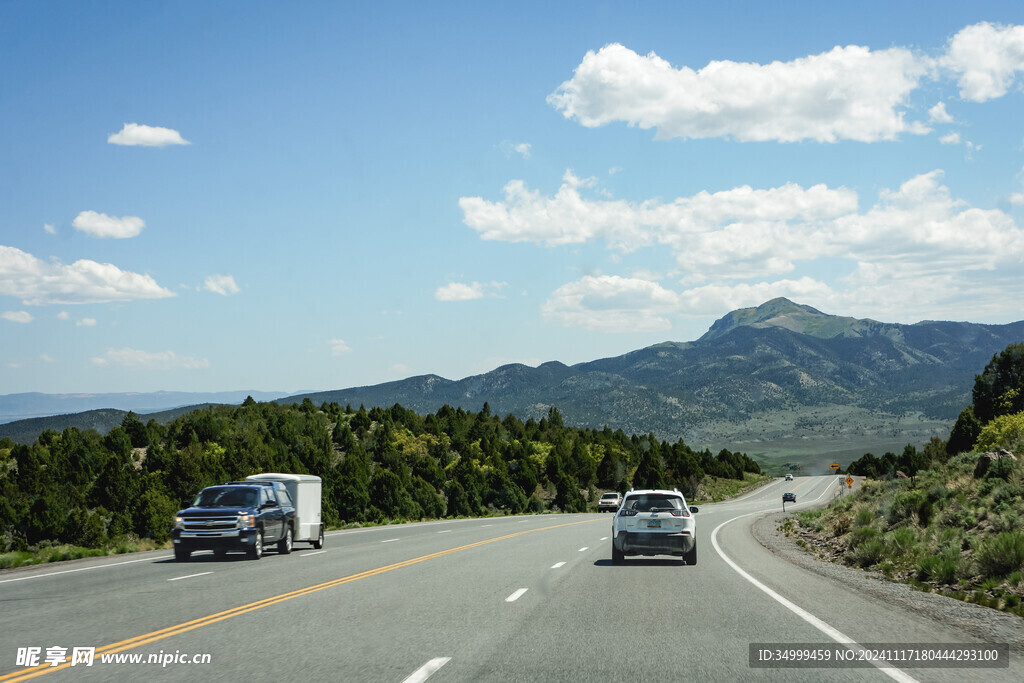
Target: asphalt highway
pixel 531 598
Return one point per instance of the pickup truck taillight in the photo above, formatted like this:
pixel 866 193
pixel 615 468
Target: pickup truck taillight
pixel 246 521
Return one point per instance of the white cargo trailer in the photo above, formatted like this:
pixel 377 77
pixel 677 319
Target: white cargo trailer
pixel 305 492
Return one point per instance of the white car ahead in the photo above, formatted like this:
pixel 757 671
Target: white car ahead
pixel 609 501
pixel 654 522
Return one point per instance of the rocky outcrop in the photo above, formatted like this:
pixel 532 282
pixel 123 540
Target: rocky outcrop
pixel 986 460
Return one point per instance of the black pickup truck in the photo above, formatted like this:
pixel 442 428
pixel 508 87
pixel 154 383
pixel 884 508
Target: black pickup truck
pixel 236 516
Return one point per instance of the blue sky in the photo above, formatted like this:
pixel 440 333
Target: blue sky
pixel 221 196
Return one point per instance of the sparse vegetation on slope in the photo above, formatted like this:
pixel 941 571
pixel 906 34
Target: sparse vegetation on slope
pixel 953 525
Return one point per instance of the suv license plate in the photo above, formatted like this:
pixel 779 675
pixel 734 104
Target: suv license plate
pixel 654 524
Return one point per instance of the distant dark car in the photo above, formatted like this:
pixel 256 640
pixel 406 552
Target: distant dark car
pixel 788 497
pixel 244 516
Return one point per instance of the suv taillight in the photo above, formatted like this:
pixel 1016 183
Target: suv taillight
pixel 680 513
pixel 627 513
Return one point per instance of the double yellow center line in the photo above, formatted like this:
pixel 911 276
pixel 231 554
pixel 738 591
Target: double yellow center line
pixel 154 636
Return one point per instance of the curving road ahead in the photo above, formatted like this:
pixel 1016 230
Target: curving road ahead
pixel 532 598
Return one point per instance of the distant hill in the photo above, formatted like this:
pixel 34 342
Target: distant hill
pixel 23 406
pixel 102 420
pixel 778 378
pixel 781 376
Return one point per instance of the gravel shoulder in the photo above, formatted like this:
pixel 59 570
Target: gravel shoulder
pixel 987 624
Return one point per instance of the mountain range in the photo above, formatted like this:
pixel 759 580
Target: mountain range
pixel 779 378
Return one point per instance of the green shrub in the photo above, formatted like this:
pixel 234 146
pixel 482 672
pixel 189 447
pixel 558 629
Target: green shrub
pixel 940 568
pixel 938 493
pixel 868 553
pixel 862 535
pixel 864 518
pixel 1002 432
pixel 1002 555
pixel 901 541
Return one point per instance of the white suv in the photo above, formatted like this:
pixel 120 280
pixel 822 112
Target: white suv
pixel 654 522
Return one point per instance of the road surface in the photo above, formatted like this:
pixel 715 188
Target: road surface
pixel 530 598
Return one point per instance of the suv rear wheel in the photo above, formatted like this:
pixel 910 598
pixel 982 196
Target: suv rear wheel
pixel 617 555
pixel 690 558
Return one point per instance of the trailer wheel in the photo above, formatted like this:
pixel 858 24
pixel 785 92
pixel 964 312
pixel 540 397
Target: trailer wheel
pixel 319 543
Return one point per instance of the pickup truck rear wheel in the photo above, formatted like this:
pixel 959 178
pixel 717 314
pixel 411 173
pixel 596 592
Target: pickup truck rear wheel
pixel 284 546
pixel 256 549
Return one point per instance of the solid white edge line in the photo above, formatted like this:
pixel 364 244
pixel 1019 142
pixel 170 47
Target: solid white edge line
pixel 515 596
pixel 833 633
pixel 85 569
pixel 190 576
pixel 427 670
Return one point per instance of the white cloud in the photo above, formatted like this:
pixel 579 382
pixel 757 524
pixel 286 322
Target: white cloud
pixel 135 134
pixel 459 291
pixel 86 322
pixel 339 347
pixel 916 243
pixel 1017 198
pixel 614 304
pixel 521 148
pixel 102 225
pixel 63 315
pixel 987 58
pixel 144 360
pixel 950 138
pixel 848 93
pixel 399 369
pixel 22 317
pixel 37 282
pixel 50 229
pixel 46 358
pixel 221 284
pixel 938 114
pixel 608 303
pixel 685 224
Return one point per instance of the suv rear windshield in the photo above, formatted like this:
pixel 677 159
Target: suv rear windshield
pixel 227 497
pixel 651 502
